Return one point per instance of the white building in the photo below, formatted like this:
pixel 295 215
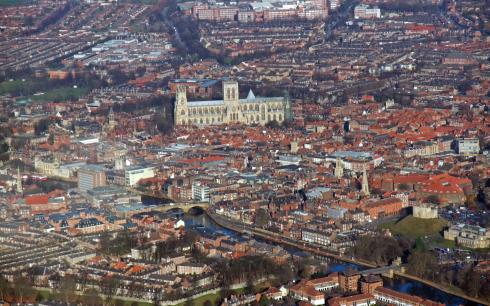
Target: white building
pixel 136 173
pixel 200 192
pixel 363 11
pixel 468 146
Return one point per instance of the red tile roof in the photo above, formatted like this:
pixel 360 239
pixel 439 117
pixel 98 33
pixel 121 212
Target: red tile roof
pixel 36 199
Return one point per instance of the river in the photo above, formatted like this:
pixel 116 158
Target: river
pixel 398 284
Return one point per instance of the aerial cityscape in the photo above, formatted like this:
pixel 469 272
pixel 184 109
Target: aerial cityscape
pixel 245 152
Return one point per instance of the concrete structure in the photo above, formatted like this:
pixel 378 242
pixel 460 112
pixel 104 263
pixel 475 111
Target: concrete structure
pixel 134 174
pixel 200 192
pixel 231 109
pixel 425 211
pixel 91 176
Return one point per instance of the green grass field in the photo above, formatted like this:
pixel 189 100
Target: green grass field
pixel 415 227
pixel 61 94
pixel 17 85
pixel 200 301
pixel 15 2
pixel 29 87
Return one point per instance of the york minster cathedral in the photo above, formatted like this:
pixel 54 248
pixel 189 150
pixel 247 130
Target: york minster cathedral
pixel 231 109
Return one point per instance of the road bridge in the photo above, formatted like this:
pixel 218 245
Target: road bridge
pixel 185 207
pixel 388 271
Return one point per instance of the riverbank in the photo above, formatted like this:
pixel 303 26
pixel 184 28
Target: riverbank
pixel 276 238
pixel 442 288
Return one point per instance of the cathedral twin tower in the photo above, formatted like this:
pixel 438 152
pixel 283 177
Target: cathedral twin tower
pixel 231 109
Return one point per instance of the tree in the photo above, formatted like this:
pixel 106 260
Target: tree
pixel 4 147
pixel 4 286
pixel 264 301
pixel 250 286
pixel 67 289
pixel 422 264
pixel 41 126
pixel 273 124
pixel 403 187
pixel 164 123
pixel 110 289
pixel 51 139
pixel 22 288
pixel 118 76
pixel 262 217
pixel 474 283
pixel 156 298
pixel 92 297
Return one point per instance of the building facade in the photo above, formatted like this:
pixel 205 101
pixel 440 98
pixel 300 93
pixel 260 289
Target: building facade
pixel 200 192
pixel 231 109
pixel 91 176
pixel 468 146
pixel 470 236
pixel 363 11
pixel 134 174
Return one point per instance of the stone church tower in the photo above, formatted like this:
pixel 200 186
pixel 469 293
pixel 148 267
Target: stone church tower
pixel 180 109
pixel 365 183
pixel 230 98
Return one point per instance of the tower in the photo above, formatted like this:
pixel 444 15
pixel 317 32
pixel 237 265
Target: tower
pixel 231 101
pixel 339 168
pixel 120 159
pixel 365 184
pixel 112 119
pixel 288 115
pixel 19 182
pixel 180 108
